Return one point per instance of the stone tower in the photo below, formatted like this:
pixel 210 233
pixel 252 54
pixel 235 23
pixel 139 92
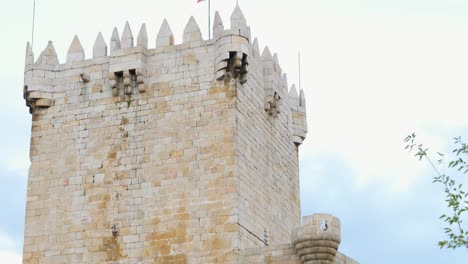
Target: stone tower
pixel 181 153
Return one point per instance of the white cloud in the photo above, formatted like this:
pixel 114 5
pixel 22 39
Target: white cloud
pixel 8 257
pixel 9 250
pixel 369 83
pixel 15 160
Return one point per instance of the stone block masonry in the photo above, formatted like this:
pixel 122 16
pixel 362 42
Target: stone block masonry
pixel 183 153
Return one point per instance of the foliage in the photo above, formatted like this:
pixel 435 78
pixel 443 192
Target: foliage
pixel 456 197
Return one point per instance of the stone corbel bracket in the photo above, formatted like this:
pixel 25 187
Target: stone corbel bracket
pixel 232 65
pixel 318 239
pixel 38 90
pixel 37 100
pixel 272 106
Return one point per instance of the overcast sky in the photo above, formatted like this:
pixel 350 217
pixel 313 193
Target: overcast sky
pixel 373 72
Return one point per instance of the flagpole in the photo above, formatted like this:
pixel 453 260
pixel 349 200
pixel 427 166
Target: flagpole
pixel 299 62
pixel 209 19
pixel 33 20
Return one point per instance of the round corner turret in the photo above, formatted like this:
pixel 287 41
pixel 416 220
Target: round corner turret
pixel 318 239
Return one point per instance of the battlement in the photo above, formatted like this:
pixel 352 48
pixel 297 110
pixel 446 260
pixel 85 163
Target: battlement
pixel 128 68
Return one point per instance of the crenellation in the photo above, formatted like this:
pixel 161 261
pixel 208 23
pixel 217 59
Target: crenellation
pixel 115 41
pixel 127 37
pixel 285 81
pixel 99 47
pixel 75 52
pixel 276 65
pixel 299 119
pixel 239 23
pixel 218 26
pixel 142 40
pixel 192 32
pixel 29 58
pixel 165 36
pixel 293 98
pixel 48 56
pixel 255 49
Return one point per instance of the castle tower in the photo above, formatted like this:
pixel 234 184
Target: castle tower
pixel 182 153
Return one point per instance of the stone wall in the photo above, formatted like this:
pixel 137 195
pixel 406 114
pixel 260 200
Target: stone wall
pixel 268 158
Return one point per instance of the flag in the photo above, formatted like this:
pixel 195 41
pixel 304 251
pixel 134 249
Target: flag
pixel 198 1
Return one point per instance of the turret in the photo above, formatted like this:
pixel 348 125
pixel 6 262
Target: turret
pixel 233 48
pixel 38 78
pixel 318 239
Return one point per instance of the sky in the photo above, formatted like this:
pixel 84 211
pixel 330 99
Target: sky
pixel 373 71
